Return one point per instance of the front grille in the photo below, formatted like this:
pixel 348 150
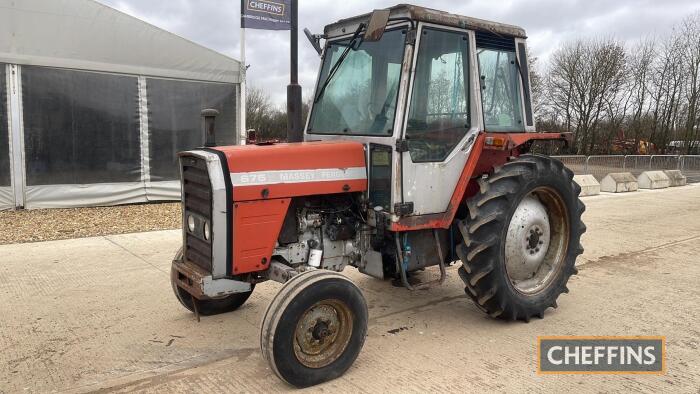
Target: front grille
pixel 197 203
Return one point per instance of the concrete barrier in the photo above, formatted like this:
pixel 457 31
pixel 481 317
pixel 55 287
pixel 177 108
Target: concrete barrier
pixel 589 185
pixel 619 182
pixel 653 180
pixel 676 177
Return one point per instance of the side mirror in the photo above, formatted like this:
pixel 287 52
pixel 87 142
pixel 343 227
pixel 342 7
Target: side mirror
pixel 377 24
pixel 315 40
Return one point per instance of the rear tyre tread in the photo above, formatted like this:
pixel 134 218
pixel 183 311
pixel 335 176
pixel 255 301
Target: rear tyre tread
pixel 477 249
pixel 488 214
pixel 480 275
pixel 505 175
pixel 482 222
pixel 493 196
pixel 496 314
pixel 462 254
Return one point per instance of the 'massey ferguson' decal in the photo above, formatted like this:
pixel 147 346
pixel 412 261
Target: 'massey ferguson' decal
pixel 297 176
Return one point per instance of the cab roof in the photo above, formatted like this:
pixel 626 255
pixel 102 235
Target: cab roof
pixel 423 14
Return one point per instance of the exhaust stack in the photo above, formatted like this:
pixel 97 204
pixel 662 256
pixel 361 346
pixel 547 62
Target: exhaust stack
pixel 208 121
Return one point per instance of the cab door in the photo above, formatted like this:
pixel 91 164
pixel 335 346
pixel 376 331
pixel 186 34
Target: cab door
pixel 440 123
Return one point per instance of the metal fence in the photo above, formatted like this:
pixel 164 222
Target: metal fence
pixel 577 164
pixel 690 167
pixel 600 166
pixel 637 164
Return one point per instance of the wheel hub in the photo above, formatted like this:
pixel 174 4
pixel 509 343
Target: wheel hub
pixel 533 240
pixel 322 333
pixel 527 245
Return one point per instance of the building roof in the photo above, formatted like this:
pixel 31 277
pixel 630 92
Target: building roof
pixel 87 35
pixel 422 14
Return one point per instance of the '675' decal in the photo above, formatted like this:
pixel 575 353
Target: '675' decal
pixel 297 176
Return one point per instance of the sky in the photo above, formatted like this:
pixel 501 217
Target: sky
pixel 548 23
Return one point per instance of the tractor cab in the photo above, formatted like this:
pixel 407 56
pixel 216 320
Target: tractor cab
pixel 417 86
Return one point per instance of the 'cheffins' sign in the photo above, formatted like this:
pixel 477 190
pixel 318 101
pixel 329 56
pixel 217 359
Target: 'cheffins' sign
pixel 266 14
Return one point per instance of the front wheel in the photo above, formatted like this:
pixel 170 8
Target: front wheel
pixel 521 238
pixel 314 328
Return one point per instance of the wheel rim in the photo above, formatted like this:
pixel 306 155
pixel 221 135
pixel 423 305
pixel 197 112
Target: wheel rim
pixel 537 241
pixel 322 333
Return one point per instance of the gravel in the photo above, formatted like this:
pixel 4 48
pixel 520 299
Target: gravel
pixel 52 224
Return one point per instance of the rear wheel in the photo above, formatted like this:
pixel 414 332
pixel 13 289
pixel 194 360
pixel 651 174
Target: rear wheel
pixel 207 307
pixel 521 238
pixel 314 328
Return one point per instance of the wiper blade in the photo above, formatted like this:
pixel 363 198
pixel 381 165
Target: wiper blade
pixel 336 65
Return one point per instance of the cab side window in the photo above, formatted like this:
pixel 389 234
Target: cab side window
pixel 439 110
pixel 499 73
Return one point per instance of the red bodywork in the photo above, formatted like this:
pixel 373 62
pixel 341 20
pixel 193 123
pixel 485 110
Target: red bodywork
pixel 261 202
pixel 251 159
pixel 490 150
pixel 260 207
pixel 260 223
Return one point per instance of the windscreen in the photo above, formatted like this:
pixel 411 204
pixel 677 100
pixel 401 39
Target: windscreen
pixel 360 98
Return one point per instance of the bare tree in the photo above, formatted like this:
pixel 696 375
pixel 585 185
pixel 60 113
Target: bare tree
pixel 536 86
pixel 559 83
pixel 666 90
pixel 585 83
pixel 258 108
pixel 268 121
pixel 640 61
pixel 690 38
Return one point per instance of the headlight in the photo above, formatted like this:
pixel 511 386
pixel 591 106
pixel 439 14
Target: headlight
pixel 207 231
pixel 190 223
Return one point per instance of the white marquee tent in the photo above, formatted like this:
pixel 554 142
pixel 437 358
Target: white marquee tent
pixel 95 104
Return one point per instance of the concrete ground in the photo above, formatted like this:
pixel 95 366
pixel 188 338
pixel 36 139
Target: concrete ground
pixel 98 314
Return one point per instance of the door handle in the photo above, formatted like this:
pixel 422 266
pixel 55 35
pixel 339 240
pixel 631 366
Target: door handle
pixel 469 142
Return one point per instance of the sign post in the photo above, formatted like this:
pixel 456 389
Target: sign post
pixel 294 126
pixel 243 132
pixel 278 15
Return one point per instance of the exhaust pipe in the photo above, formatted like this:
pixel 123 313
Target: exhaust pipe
pixel 208 121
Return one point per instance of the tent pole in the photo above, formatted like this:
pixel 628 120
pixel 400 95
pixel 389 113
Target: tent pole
pixel 18 177
pixel 242 116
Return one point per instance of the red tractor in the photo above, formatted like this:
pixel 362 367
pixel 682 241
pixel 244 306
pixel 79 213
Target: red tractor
pixel 415 155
